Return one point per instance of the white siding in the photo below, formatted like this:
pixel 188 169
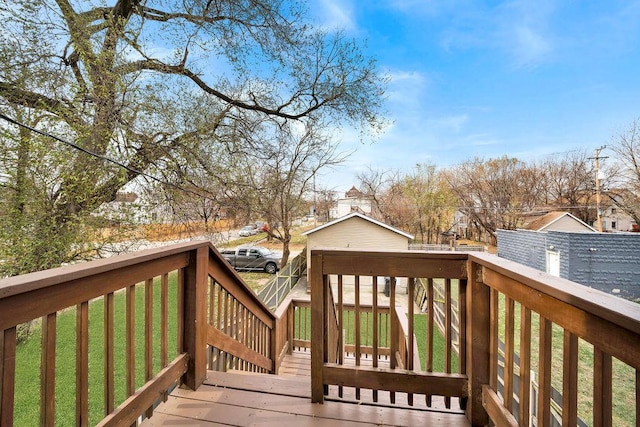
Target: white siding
pixel 355 233
pixel 566 223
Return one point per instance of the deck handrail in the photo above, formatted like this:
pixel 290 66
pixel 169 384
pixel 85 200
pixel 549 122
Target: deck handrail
pixel 275 292
pixel 496 301
pixel 209 295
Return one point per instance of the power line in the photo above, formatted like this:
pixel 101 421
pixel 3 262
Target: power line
pixel 100 156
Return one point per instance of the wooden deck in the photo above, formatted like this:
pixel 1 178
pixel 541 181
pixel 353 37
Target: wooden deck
pixel 244 399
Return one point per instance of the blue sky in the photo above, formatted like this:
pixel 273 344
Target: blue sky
pixel 469 78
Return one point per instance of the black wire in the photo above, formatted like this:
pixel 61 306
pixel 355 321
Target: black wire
pixel 99 156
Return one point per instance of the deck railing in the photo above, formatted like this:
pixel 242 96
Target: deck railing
pixel 167 315
pixel 215 323
pixel 563 335
pixel 274 292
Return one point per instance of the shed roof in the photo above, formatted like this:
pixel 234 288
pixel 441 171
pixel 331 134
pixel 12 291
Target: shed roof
pixel 361 216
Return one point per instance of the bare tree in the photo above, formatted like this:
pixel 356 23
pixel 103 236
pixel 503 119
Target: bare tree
pixel 491 193
pixel 380 186
pixel 570 183
pixel 325 199
pixel 626 194
pixel 280 176
pixel 431 202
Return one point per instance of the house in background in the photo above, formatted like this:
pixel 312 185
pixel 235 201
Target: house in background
pixel 354 201
pixel 615 219
pixel 558 221
pixel 566 247
pixel 355 231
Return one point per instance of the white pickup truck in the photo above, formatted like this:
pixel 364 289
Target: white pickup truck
pixel 253 258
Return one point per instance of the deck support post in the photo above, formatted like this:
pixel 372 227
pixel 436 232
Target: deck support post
pixel 478 343
pixel 195 321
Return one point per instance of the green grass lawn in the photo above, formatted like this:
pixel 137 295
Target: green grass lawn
pixel 27 383
pixel 420 331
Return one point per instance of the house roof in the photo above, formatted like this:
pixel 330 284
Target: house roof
pixel 361 216
pixel 546 220
pixel 353 193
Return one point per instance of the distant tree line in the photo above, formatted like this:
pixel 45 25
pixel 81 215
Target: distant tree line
pixel 501 193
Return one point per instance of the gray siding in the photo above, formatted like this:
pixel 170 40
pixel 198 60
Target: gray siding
pixel 605 261
pixel 523 246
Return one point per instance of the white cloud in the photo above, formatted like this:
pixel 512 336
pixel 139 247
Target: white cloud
pixel 336 14
pixel 519 30
pixel 451 123
pixel 407 87
pixel 524 30
pixel 530 47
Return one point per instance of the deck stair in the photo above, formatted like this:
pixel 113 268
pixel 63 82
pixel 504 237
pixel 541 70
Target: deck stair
pixel 243 398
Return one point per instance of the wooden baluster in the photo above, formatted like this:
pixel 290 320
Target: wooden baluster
pixel 493 339
pixel 211 318
pixel 225 328
pixel 164 320
pixel 340 328
pixel 82 364
pixel 164 326
pixel 291 322
pixel 374 328
pixel 462 333
pixel 394 329
pixel 544 373
pixel 48 371
pixel 570 380
pixel 234 327
pixel 180 314
pixel 254 338
pixel 524 393
pixel 509 354
pixel 357 324
pixel 130 340
pixel 447 334
pixel 602 389
pixel 148 335
pixel 637 398
pixel 7 375
pixel 410 354
pixel 430 308
pixel 109 363
pixel 219 320
pixel 243 332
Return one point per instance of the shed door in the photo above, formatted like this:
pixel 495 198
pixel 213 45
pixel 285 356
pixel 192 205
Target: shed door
pixel 553 263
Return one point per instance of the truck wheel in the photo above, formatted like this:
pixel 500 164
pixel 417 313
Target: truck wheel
pixel 271 268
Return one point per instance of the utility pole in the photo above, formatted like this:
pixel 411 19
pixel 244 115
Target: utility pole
pixel 596 156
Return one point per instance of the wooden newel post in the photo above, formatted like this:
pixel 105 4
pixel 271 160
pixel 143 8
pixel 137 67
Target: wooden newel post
pixel 478 343
pixel 195 321
pixel 317 329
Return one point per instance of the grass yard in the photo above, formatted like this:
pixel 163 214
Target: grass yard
pixel 420 331
pixel 27 395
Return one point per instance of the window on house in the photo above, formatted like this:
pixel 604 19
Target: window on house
pixel 613 225
pixel 613 210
